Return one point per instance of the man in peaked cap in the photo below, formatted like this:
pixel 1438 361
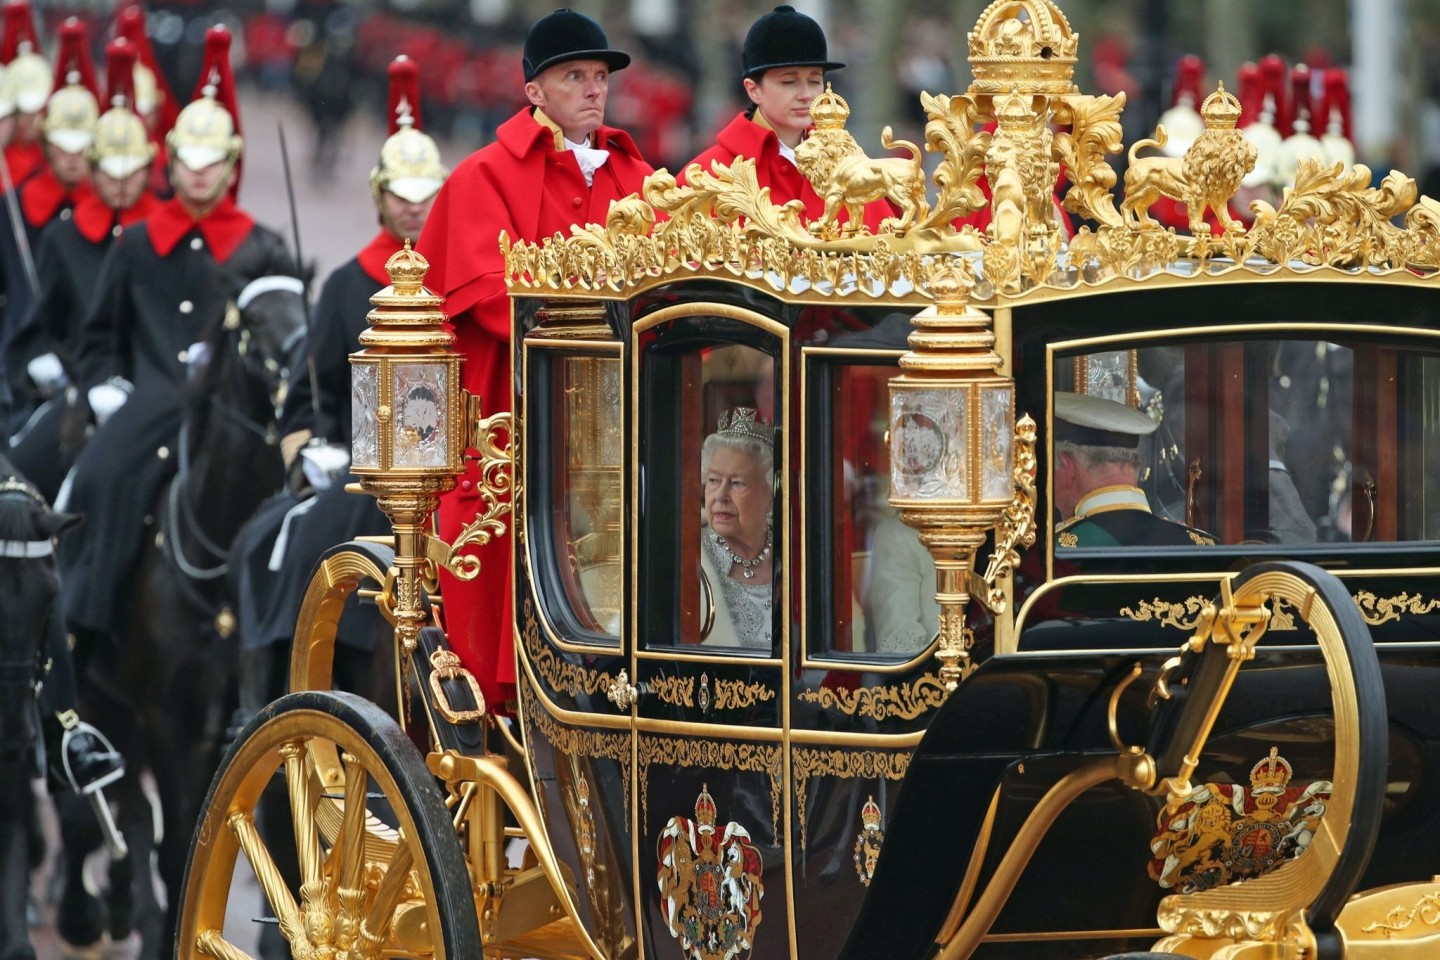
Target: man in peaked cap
pixel 68 259
pixel 553 165
pixel 783 65
pixel 1097 463
pixel 164 283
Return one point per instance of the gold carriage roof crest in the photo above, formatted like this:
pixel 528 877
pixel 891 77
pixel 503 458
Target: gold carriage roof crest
pixel 1026 128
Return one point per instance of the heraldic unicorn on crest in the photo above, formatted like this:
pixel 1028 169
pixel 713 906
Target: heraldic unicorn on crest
pixel 710 885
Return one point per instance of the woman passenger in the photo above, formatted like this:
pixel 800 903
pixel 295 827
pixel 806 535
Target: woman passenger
pixel 737 465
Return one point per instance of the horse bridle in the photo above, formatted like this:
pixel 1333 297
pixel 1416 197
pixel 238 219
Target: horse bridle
pixel 179 507
pixel 25 549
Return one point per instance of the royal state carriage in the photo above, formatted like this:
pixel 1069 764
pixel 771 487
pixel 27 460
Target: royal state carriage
pixel 953 728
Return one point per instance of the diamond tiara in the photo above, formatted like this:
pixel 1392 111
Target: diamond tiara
pixel 741 424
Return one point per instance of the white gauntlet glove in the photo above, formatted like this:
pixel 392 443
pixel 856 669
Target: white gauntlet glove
pixel 108 397
pixel 323 464
pixel 47 374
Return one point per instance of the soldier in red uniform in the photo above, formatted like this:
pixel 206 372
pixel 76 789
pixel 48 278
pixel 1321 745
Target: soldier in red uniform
pixel 784 62
pixel 553 165
pixel 62 181
pixel 68 260
pixel 27 87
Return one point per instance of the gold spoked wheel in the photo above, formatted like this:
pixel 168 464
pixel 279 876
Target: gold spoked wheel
pixel 381 868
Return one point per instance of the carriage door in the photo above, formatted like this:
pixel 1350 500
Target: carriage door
pixel 570 605
pixel 867 686
pixel 713 557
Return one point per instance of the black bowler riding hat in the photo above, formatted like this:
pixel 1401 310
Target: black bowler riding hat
pixel 784 37
pixel 566 35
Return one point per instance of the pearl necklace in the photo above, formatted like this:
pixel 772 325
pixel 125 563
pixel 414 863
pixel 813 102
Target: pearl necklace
pixel 747 567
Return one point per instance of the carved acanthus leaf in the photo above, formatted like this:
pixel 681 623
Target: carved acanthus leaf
pixel 951 133
pixel 1095 132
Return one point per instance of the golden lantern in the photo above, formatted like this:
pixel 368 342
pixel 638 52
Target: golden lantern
pixel 954 449
pixel 409 421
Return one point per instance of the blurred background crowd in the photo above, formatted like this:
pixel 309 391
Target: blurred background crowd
pixel 331 55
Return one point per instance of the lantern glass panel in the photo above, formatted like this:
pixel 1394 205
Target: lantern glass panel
pixel 927 443
pixel 364 399
pixel 421 432
pixel 996 432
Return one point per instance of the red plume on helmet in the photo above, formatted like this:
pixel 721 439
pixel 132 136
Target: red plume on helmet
pixel 1251 92
pixel 131 26
pixel 1189 76
pixel 1300 100
pixel 1337 101
pixel 120 59
pixel 72 60
pixel 1272 73
pixel 19 28
pixel 216 73
pixel 404 94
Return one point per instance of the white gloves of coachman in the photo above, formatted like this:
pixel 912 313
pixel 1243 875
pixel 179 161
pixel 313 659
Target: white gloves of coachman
pixel 107 397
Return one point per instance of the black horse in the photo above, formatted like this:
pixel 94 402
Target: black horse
pixel 165 690
pixel 29 583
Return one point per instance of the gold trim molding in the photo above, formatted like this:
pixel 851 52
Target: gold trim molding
pixel 843 765
pixel 562 675
pixel 573 742
pixel 907 701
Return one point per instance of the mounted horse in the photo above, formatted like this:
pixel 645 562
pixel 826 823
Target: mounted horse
pixel 165 689
pixel 28 582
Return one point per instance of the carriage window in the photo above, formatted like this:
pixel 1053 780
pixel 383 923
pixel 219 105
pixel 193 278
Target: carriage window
pixel 710 467
pixel 1282 442
pixel 879 598
pixel 583 449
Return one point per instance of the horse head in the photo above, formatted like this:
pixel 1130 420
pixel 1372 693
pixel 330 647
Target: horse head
pixel 229 451
pixel 28 581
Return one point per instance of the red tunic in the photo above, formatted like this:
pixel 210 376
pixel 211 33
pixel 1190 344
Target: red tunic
pixel 745 137
pixel 521 184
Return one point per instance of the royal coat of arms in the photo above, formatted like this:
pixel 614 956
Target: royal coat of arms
pixel 868 843
pixel 1223 834
pixel 710 884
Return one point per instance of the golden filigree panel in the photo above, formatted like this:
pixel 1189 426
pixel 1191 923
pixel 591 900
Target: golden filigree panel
pixel 806 762
pixel 715 755
pixel 577 741
pixel 904 701
pixel 562 675
pixel 1375 609
pixel 737 694
pixel 676 691
pixel 1401 918
pixel 1378 610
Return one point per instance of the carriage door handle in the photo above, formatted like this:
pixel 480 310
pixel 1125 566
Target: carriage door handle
pixel 622 692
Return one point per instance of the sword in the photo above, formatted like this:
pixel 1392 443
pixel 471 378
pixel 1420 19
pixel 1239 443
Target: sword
pixel 17 223
pixel 304 281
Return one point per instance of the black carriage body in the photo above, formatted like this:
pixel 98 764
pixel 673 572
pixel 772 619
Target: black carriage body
pixel 827 745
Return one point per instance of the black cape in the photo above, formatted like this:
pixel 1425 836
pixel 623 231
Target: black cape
pixel 148 310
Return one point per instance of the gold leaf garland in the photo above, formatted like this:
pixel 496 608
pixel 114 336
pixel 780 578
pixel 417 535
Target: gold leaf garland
pixel 677 691
pixel 881 703
pixel 716 755
pixel 1377 610
pixel 737 694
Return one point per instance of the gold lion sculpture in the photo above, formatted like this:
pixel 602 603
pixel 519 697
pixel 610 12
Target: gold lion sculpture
pixel 847 179
pixel 1207 176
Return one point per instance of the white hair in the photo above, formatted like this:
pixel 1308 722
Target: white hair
pixel 1091 456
